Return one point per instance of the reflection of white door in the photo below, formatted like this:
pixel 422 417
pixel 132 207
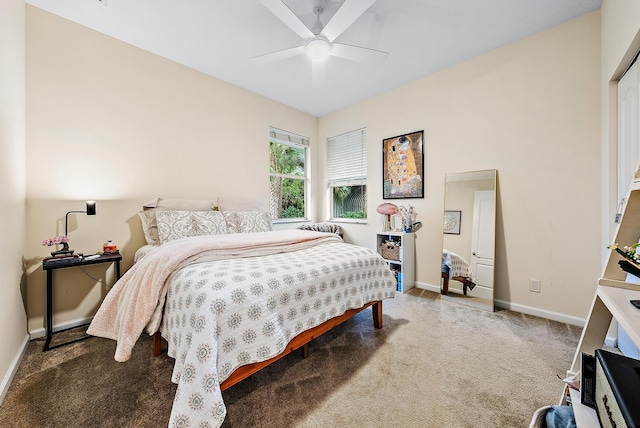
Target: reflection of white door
pixel 628 128
pixel 483 237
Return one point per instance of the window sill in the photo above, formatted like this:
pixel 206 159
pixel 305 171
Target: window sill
pixel 348 220
pixel 290 220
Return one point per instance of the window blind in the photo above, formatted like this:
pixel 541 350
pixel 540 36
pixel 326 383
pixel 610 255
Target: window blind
pixel 347 159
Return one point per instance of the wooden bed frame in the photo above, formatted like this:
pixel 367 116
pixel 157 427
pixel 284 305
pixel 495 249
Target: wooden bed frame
pixel 297 342
pixel 466 282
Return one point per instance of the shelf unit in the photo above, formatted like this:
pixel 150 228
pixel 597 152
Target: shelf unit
pixel 405 264
pixel 610 301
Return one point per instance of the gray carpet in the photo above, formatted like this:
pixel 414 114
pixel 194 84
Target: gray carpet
pixel 434 364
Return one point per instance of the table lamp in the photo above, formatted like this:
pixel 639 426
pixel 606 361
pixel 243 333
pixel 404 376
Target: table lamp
pixel 91 210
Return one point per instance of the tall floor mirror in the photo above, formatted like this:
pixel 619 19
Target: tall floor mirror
pixel 468 243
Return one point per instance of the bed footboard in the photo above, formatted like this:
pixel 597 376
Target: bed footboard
pixel 300 340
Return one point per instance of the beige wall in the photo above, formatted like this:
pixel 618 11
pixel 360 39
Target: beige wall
pixel 531 110
pixel 13 321
pixel 110 122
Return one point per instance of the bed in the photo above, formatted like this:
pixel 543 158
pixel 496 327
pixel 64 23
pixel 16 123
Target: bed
pixel 457 268
pixel 231 301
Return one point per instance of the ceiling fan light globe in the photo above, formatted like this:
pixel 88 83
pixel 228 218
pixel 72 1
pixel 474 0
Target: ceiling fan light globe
pixel 317 50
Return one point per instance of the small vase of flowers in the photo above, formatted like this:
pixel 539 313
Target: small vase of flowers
pixel 631 255
pixel 409 215
pixel 59 240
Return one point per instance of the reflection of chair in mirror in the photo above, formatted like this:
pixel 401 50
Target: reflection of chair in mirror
pixel 457 268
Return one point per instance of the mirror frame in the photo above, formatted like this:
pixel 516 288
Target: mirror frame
pixel 459 291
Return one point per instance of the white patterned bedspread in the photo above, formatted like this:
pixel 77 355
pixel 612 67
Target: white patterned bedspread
pixel 223 314
pixel 457 265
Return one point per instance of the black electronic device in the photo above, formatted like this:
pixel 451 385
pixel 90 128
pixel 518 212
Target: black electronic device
pixel 617 386
pixel 588 380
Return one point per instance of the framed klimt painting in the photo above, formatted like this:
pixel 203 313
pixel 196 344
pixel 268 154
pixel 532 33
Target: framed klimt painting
pixel 403 166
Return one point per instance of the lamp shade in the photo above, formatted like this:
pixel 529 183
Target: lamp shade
pixel 91 207
pixel 387 209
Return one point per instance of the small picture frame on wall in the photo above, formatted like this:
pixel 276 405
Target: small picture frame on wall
pixel 403 166
pixel 452 222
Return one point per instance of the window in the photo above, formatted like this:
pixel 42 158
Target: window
pixel 288 175
pixel 347 174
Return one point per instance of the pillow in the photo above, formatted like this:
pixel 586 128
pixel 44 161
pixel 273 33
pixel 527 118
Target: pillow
pixel 323 227
pixel 247 221
pixel 174 225
pixel 148 213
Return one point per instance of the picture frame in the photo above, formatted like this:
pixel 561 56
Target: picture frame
pixel 403 166
pixel 451 224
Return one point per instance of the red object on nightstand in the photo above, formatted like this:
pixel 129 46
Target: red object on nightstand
pixel 109 247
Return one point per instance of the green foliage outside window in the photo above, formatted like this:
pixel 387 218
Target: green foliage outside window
pixel 287 184
pixel 349 202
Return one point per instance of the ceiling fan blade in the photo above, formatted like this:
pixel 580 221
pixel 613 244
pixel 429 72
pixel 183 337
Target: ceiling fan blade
pixel 344 17
pixel 318 73
pixel 278 55
pixel 286 15
pixel 359 54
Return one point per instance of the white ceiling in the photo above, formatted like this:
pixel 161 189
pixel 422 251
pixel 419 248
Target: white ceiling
pixel 219 38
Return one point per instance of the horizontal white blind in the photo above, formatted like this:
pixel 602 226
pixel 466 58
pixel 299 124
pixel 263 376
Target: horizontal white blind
pixel 284 137
pixel 347 159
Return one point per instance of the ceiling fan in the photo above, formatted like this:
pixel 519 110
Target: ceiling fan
pixel 319 40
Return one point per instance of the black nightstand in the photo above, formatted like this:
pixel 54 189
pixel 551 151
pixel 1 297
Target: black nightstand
pixel 50 265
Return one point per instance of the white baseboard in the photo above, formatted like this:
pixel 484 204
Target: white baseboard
pixel 13 368
pixel 529 310
pixel 41 332
pixel 425 286
pixel 542 313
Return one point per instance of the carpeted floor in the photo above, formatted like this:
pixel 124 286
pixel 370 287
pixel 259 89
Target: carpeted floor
pixel 434 364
